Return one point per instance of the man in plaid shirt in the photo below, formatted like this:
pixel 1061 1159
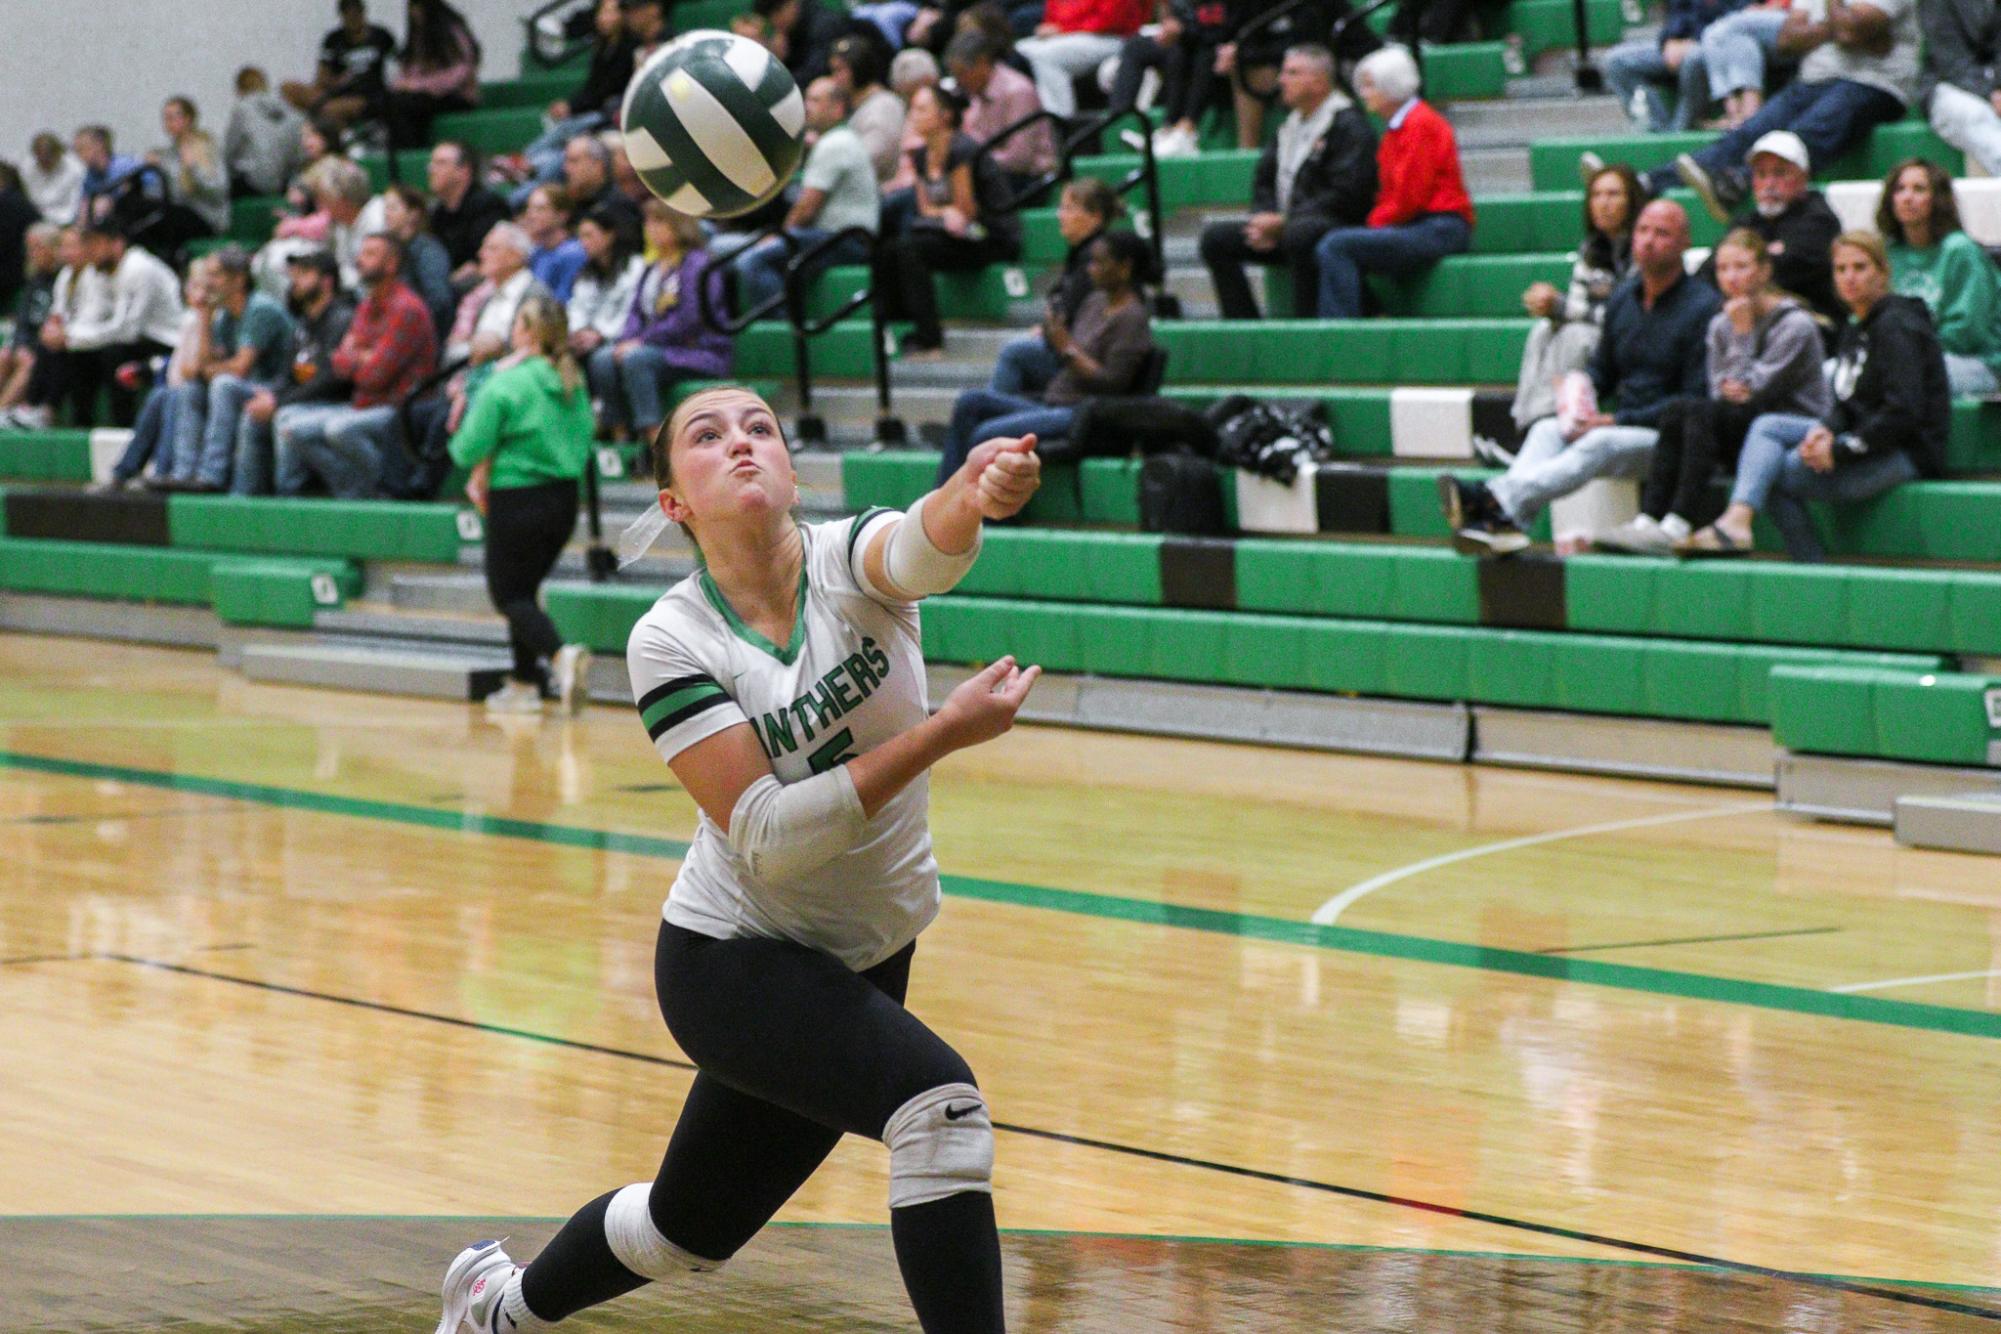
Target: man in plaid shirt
pixel 388 351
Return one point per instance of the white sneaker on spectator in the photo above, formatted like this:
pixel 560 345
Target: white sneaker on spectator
pixel 1640 535
pixel 1173 142
pixel 515 697
pixel 1589 164
pixel 26 419
pixel 568 672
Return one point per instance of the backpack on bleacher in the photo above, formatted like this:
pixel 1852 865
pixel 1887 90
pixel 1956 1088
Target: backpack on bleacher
pixel 1271 439
pixel 1181 493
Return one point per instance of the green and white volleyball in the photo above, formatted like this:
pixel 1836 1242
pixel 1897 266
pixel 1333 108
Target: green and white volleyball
pixel 713 124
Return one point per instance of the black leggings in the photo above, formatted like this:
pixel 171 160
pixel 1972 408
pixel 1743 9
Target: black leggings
pixel 527 528
pixel 903 276
pixel 1188 78
pixel 1697 436
pixel 795 1049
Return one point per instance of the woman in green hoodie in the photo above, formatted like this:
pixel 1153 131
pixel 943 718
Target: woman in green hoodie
pixel 1932 259
pixel 527 439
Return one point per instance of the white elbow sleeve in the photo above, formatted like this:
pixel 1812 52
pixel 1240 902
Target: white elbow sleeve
pixel 916 565
pixel 783 830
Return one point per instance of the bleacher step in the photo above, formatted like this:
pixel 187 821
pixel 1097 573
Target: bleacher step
pixel 1514 121
pixel 1963 822
pixel 376 669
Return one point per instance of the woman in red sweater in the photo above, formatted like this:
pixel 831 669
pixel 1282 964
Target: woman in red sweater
pixel 1422 211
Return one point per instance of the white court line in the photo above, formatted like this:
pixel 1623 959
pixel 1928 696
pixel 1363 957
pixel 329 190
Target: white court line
pixel 1330 912
pixel 1917 981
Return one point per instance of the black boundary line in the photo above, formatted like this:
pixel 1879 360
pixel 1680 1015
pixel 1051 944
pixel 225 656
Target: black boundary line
pixel 1690 940
pixel 1134 1151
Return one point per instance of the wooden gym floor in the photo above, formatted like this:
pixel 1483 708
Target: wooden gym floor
pixel 303 991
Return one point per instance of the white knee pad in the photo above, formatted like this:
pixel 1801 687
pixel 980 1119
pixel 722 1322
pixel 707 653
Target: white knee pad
pixel 941 1142
pixel 629 1229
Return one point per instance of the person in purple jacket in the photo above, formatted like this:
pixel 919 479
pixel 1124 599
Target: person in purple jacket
pixel 664 341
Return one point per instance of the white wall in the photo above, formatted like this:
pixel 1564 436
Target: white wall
pixel 65 63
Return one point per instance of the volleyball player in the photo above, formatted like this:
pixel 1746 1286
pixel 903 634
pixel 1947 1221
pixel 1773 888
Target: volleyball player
pixel 784 684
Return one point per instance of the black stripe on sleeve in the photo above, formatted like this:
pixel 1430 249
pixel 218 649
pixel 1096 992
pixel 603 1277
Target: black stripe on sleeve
pixel 666 688
pixel 687 711
pixel 862 521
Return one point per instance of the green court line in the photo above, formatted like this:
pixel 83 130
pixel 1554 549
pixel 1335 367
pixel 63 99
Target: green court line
pixel 1354 1248
pixel 1852 1006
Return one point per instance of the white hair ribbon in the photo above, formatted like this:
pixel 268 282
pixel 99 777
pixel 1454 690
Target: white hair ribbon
pixel 640 535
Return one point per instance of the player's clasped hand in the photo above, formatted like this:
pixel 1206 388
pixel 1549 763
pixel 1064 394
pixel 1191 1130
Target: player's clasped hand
pixel 984 705
pixel 1006 474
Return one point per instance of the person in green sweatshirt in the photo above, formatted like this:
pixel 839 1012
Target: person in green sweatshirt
pixel 527 439
pixel 1932 259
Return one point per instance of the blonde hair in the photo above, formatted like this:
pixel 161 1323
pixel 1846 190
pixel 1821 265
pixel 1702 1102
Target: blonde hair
pixel 550 325
pixel 1868 243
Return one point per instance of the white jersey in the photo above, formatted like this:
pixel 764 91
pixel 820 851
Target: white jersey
pixel 851 678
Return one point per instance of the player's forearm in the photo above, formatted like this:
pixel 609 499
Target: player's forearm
pixel 894 765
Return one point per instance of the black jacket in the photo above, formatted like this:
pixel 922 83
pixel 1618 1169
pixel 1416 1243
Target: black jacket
pixel 1804 235
pixel 1648 358
pixel 1337 182
pixel 462 229
pixel 1890 389
pixel 1962 47
pixel 604 82
pixel 313 344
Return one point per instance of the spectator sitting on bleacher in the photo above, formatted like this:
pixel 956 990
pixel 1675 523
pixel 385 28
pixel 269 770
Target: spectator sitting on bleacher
pixel 1764 356
pixel 859 64
pixel 1651 352
pixel 388 351
pixel 243 345
pixel 1939 264
pixel 646 24
pixel 196 177
pixel 801 33
pixel 665 340
pixel 17 215
pixel 1892 411
pixel 1027 364
pixel 260 145
pixel 439 73
pixel 1318 174
pixel 557 256
pixel 31 307
pixel 911 70
pixel 428 270
pixel 997 97
pixel 153 430
pixel 1859 70
pixel 590 177
pixel 1795 219
pixel 1739 52
pixel 80 293
pixel 591 107
pixel 342 191
pixel 486 314
pixel 957 225
pixel 603 291
pixel 350 83
pixel 837 190
pixel 462 210
pixel 1641 70
pixel 1566 330
pixel 1422 211
pixel 1961 80
pixel 1102 357
pixel 321 314
pixel 53 179
pixel 1185 51
pixel 319 142
pixel 626 191
pixel 526 440
pixel 1073 39
pixel 143 321
pixel 103 169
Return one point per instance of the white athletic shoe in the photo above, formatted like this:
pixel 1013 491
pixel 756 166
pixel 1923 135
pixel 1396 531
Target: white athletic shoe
pixel 569 674
pixel 1640 536
pixel 472 1285
pixel 516 697
pixel 1171 142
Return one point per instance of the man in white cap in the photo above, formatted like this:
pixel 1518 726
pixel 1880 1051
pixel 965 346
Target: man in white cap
pixel 1798 224
pixel 1858 70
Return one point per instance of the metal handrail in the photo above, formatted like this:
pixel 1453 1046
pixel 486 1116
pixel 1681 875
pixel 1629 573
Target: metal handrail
pixel 532 22
pixel 730 327
pixel 1069 146
pixel 1040 185
pixel 889 429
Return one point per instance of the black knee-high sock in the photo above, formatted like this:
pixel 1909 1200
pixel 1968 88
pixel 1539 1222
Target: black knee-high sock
pixel 949 1252
pixel 577 1269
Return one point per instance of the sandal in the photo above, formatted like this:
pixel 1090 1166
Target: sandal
pixel 1710 543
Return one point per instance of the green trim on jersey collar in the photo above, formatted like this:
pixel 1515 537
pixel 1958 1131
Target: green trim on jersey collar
pixel 787 655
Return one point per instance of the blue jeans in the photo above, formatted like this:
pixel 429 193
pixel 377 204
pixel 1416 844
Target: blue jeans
pixel 205 430
pixel 154 427
pixel 1737 48
pixel 981 414
pixel 1548 467
pixel 251 472
pixel 1346 253
pixel 1026 366
pixel 1637 69
pixel 344 447
pixel 1772 480
pixel 760 270
pixel 633 391
pixel 1827 116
